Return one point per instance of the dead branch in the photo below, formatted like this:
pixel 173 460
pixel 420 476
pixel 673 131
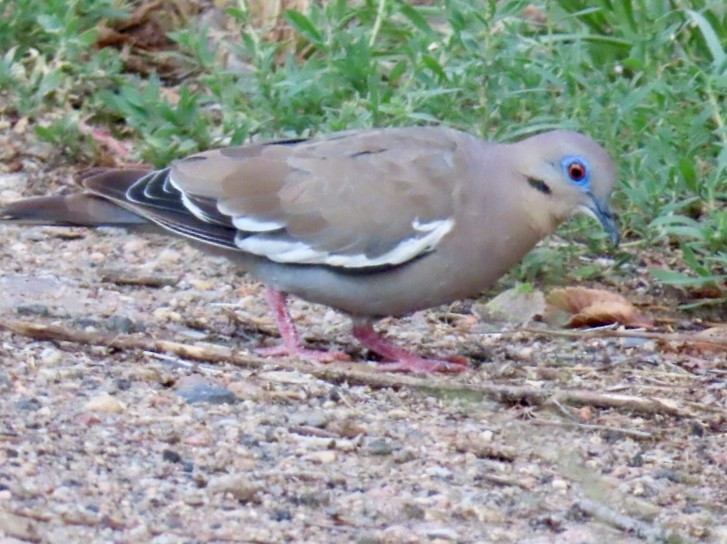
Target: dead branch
pixel 623 522
pixel 352 373
pixel 633 433
pixel 119 278
pixel 714 344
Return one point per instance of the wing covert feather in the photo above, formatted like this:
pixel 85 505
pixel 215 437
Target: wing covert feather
pixel 352 199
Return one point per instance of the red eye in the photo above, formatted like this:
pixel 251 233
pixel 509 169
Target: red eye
pixel 577 171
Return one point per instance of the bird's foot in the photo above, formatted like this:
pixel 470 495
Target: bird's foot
pixel 397 359
pixel 292 346
pixel 304 353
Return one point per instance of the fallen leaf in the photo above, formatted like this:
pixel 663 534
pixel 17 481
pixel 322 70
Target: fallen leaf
pixel 593 307
pixel 713 335
pixel 712 340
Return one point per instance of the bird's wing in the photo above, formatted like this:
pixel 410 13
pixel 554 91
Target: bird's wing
pixel 354 199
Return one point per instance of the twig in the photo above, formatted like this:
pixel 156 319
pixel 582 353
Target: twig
pixel 502 480
pixel 307 430
pixel 118 278
pixel 623 522
pixel 606 333
pixel 591 427
pixel 351 373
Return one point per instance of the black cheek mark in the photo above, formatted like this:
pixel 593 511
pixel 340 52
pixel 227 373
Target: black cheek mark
pixel 540 185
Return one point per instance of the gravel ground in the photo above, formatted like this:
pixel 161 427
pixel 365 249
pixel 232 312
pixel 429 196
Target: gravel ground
pixel 128 445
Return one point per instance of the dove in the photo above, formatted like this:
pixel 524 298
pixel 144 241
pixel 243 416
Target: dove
pixel 372 222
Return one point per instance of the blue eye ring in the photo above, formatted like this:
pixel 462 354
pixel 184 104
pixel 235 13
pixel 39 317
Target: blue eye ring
pixel 576 170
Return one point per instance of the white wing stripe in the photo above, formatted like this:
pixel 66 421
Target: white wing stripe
pixel 251 224
pixel 196 210
pixel 294 251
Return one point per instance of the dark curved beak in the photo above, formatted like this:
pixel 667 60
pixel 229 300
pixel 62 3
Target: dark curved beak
pixel 601 212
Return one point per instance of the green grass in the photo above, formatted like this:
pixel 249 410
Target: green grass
pixel 648 79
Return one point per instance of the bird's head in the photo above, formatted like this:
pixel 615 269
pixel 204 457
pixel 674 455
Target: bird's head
pixel 567 173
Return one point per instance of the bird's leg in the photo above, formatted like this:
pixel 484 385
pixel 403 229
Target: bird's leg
pixel 398 359
pixel 292 345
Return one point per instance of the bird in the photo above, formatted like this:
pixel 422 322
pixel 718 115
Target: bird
pixel 371 222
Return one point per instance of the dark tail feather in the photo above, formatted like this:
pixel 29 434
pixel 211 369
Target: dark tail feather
pixel 112 183
pixel 76 209
pixel 84 208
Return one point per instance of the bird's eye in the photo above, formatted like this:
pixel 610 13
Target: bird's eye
pixel 576 170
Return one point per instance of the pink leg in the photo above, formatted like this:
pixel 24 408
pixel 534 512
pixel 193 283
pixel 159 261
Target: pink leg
pixel 292 345
pixel 399 359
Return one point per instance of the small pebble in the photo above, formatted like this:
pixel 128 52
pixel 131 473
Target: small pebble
pixel 397 413
pixel 168 256
pixel 237 485
pixel 201 438
pixel 122 384
pixel 121 324
pixel 281 514
pixel 104 403
pixel 404 456
pixel 51 356
pixel 211 394
pixel 171 456
pixel 201 285
pixel 28 404
pixel 195 499
pixel 317 419
pixel 11 181
pixel 379 446
pixel 438 471
pixel 85 323
pixel 325 457
pixel 33 309
pixel 135 245
pixel 5 384
pixel 442 534
pixel 165 314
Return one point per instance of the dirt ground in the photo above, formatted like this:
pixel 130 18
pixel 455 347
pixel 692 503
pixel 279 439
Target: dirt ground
pixel 106 435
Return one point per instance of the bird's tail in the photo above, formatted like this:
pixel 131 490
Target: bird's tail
pixel 82 208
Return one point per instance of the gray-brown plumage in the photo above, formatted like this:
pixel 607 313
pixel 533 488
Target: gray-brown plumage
pixel 370 222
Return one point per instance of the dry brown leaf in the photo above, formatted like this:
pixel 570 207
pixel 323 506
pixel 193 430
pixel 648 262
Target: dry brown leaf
pixel 145 33
pixel 713 335
pixel 712 340
pixel 144 29
pixel 593 307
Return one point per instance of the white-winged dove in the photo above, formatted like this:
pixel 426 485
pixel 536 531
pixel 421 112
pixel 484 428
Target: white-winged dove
pixel 373 223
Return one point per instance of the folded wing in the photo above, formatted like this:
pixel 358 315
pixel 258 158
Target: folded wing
pixel 354 199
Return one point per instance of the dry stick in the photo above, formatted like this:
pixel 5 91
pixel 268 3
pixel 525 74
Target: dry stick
pixel 118 278
pixel 341 372
pixel 573 422
pixel 591 427
pixel 623 522
pixel 603 333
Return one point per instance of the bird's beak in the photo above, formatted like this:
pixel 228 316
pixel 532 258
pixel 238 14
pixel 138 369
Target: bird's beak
pixel 602 213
